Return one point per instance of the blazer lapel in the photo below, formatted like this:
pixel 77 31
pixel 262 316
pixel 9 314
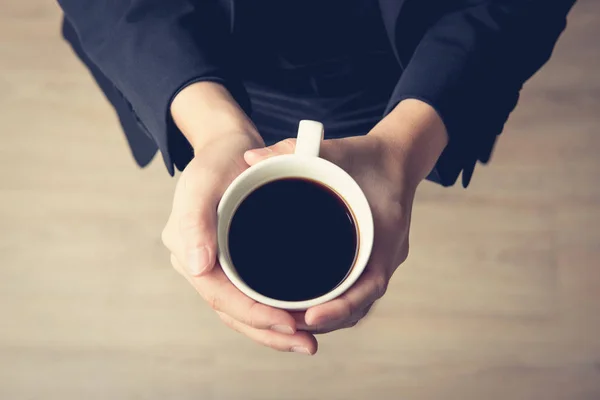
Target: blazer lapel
pixel 390 11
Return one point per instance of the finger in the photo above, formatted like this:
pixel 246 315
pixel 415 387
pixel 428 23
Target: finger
pixel 369 287
pixel 197 222
pixel 335 325
pixel 222 296
pixel 197 229
pixel 300 342
pixel 287 146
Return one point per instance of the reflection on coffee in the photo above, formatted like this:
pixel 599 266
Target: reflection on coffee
pixel 293 239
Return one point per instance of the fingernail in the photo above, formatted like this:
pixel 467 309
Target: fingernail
pixel 283 329
pixel 198 261
pixel 301 350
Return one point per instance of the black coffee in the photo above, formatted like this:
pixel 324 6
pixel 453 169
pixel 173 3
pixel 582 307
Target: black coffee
pixel 293 239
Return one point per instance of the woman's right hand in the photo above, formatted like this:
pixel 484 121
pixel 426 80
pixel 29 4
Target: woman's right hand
pixel 191 230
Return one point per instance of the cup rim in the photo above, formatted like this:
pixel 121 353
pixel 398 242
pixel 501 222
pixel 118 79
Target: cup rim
pixel 365 229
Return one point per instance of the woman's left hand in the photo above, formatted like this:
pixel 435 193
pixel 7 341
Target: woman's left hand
pixel 390 192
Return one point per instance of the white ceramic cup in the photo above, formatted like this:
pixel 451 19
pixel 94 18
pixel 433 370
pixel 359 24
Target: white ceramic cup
pixel 304 163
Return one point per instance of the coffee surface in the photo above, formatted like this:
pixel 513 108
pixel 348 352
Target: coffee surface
pixel 293 239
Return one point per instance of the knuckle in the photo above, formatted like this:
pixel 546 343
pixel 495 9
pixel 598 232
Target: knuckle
pixel 214 302
pixel 191 221
pixel 349 308
pixel 252 319
pixel 268 341
pixel 175 264
pixel 397 216
pixel 166 236
pixel 352 324
pixel 195 229
pixel 357 319
pixel 381 285
pixel 346 325
pixel 288 143
pixel 404 253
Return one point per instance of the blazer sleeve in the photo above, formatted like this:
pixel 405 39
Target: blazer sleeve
pixel 151 49
pixel 470 65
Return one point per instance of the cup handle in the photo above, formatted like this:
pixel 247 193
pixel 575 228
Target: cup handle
pixel 310 136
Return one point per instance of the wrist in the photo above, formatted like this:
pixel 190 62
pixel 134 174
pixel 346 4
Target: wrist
pixel 205 111
pixel 413 136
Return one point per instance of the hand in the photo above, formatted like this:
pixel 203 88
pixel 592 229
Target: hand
pixel 191 230
pixel 388 164
pixel 391 200
pixel 190 235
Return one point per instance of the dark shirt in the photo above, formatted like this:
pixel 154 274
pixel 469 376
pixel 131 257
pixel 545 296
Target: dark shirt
pixel 323 60
pixel 344 62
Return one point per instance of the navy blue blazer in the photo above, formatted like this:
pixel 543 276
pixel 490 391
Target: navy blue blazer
pixel 467 58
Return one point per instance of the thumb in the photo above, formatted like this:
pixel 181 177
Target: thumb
pixel 287 146
pixel 198 233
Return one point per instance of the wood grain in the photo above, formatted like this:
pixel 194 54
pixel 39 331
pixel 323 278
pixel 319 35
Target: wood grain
pixel 500 297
